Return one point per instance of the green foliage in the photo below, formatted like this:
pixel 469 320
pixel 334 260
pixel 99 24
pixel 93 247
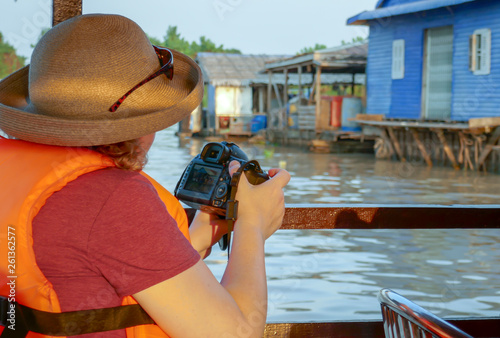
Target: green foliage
pixel 174 40
pixel 316 47
pixel 9 60
pixel 354 40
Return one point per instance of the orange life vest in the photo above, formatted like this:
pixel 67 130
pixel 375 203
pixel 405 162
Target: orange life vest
pixel 29 174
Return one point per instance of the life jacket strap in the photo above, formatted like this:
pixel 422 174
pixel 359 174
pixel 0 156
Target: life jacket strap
pixel 25 319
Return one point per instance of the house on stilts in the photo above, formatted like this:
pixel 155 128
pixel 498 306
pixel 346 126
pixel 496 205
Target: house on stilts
pixel 433 81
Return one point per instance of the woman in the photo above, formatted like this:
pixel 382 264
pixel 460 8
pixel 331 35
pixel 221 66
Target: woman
pixel 91 231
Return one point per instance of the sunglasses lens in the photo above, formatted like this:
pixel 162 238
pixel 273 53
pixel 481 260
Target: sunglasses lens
pixel 164 55
pixel 170 73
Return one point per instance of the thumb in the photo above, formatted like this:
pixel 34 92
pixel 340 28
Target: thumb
pixel 233 167
pixel 281 177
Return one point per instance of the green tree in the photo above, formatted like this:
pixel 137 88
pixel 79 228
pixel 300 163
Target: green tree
pixel 354 40
pixel 9 60
pixel 316 47
pixel 174 40
pixel 154 41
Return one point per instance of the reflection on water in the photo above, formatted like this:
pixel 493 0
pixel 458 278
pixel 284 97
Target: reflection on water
pixel 336 274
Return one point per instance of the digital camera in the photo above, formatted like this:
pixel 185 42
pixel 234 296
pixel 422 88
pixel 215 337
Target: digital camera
pixel 206 183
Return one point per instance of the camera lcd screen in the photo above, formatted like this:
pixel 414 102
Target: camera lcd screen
pixel 202 179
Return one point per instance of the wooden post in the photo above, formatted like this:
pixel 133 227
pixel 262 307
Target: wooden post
pixel 280 113
pixel 299 71
pixel 447 149
pixel 65 9
pixel 313 90
pixel 317 95
pixel 269 93
pixel 285 103
pixel 421 146
pixel 260 92
pixel 489 146
pixel 387 140
pixel 353 84
pixel 395 143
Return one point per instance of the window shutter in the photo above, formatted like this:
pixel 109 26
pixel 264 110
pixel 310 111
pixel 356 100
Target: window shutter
pixel 480 52
pixel 472 52
pixel 398 59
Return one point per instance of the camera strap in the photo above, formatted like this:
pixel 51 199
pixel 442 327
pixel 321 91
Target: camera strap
pixel 232 204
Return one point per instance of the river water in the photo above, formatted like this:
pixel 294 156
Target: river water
pixel 329 275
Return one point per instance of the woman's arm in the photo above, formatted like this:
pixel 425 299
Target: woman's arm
pixel 194 303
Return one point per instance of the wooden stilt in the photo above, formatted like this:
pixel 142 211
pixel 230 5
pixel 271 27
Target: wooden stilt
pixel 489 146
pixel 387 140
pixel 395 144
pixel 464 153
pixel 421 146
pixel 447 149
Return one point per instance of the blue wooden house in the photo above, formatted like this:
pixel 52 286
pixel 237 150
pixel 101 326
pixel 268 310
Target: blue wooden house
pixel 433 60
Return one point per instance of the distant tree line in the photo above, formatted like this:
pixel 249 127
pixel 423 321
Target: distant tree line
pixel 174 40
pixel 319 46
pixel 9 60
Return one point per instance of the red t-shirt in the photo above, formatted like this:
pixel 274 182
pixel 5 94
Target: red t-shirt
pixel 104 236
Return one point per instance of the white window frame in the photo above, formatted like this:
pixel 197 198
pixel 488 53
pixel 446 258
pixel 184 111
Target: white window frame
pixel 398 59
pixel 480 52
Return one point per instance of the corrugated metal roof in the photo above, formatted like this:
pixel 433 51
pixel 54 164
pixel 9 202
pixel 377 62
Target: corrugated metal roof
pixel 335 57
pixel 306 79
pixel 407 8
pixel 222 69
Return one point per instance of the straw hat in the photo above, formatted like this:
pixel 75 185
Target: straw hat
pixel 79 69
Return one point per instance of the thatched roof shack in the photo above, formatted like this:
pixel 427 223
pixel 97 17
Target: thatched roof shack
pixel 222 69
pixel 229 96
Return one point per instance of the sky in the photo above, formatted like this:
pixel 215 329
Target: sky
pixel 281 27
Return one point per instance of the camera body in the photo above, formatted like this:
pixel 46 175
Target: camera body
pixel 206 183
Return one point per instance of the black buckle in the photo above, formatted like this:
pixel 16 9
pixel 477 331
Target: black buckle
pixel 232 210
pixel 4 307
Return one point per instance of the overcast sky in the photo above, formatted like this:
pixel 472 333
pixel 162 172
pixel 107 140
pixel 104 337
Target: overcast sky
pixel 252 26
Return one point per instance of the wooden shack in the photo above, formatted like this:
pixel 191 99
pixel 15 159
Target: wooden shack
pixel 319 116
pixel 230 104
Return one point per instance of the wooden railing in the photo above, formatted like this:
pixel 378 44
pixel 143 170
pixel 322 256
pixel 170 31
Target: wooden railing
pixel 340 216
pixel 373 216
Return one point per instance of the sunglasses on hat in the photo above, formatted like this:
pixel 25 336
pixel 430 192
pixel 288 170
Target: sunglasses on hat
pixel 167 67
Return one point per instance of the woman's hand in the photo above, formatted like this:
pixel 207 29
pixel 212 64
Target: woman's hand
pixel 263 205
pixel 206 230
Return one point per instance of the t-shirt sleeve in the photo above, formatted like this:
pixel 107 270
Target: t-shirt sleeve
pixel 134 241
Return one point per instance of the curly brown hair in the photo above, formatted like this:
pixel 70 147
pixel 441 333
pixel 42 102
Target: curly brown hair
pixel 127 155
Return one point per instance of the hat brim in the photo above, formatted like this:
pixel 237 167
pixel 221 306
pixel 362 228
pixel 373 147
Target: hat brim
pixel 19 123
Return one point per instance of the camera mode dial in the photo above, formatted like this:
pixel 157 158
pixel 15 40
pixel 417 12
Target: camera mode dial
pixel 220 190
